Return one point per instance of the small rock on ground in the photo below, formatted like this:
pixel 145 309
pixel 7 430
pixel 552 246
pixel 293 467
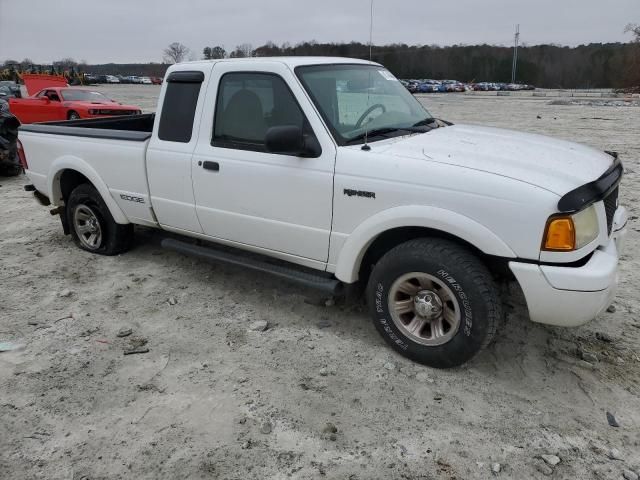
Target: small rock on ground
pixel 552 460
pixel 266 427
pixel 172 301
pixel 614 454
pixel 544 468
pixel 612 420
pixel 330 428
pixel 65 293
pixel 589 357
pixel 496 467
pixel 124 332
pixel 259 326
pixel 629 475
pixel 611 308
pixel 389 366
pixel 604 337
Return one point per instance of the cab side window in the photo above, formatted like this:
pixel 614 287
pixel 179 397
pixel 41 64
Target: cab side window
pixel 52 95
pixel 248 104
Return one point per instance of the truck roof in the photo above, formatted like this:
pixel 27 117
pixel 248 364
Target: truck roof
pixel 290 61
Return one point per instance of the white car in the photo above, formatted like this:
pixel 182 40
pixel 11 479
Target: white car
pixel 112 79
pixel 146 80
pixel 331 167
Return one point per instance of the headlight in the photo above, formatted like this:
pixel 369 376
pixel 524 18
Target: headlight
pixel 565 233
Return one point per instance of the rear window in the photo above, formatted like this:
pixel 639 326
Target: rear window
pixel 179 107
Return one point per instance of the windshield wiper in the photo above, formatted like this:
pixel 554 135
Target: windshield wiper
pixel 384 132
pixel 426 122
pixel 376 132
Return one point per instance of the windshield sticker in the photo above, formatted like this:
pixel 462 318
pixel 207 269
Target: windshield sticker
pixel 387 75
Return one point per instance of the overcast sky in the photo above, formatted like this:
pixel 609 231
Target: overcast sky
pixel 137 30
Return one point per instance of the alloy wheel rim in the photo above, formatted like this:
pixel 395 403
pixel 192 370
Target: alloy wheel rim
pixel 424 308
pixel 87 226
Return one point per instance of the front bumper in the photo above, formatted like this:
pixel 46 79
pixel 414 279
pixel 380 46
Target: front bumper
pixel 572 296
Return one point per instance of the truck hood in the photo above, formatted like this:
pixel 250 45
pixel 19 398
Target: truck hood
pixel 555 165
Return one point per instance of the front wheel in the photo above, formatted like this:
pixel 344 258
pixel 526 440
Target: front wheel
pixel 92 226
pixel 74 115
pixel 434 302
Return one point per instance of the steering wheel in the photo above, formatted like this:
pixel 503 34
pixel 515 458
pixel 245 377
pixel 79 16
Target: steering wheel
pixel 368 111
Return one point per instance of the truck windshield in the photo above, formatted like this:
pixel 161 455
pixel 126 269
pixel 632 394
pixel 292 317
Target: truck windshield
pixel 74 95
pixel 356 99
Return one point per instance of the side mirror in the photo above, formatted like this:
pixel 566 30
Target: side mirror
pixel 289 140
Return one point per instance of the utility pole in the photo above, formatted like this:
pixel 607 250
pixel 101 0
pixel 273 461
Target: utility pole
pixel 515 54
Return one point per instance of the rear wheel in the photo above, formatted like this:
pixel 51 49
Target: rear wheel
pixel 92 227
pixel 74 115
pixel 434 301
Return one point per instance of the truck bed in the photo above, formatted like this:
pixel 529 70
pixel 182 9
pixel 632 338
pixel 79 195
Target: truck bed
pixel 127 127
pixel 110 152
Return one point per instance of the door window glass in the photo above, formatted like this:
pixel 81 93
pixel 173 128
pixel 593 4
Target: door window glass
pixel 248 104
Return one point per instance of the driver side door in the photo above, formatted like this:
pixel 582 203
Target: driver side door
pixel 53 109
pixel 275 203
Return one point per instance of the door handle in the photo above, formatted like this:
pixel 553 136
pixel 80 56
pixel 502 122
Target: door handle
pixel 215 166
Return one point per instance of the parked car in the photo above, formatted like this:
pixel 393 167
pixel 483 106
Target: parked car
pixel 156 80
pixel 428 86
pixel 111 79
pixel 91 78
pixel 10 89
pixel 146 80
pixel 51 104
pixel 431 217
pixel 413 85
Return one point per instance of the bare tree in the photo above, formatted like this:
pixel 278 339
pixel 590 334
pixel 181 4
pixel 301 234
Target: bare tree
pixel 634 29
pixel 241 51
pixel 176 53
pixel 65 63
pixel 214 52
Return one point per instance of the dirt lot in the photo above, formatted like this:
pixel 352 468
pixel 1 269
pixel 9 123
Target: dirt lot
pixel 316 395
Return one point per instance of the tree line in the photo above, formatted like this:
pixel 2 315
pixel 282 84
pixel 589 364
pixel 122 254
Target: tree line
pixel 596 65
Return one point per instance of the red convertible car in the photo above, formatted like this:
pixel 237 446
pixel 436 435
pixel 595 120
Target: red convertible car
pixel 56 103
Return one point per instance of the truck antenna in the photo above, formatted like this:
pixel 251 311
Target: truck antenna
pixel 370 29
pixel 365 146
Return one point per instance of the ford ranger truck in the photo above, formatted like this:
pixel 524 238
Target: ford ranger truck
pixel 326 171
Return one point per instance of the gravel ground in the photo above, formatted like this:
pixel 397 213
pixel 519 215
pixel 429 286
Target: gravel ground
pixel 317 394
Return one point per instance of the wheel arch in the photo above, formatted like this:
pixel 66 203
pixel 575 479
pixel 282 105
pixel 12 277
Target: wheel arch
pixel 66 173
pixel 382 232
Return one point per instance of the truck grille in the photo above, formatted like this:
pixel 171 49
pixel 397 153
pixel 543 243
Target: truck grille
pixel 610 206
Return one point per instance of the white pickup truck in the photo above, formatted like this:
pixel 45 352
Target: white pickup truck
pixel 331 174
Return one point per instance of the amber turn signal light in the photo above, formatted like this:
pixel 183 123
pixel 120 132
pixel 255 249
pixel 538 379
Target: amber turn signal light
pixel 560 234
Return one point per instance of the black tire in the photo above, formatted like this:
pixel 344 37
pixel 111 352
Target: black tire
pixel 10 164
pixel 114 238
pixel 10 170
pixel 469 281
pixel 73 115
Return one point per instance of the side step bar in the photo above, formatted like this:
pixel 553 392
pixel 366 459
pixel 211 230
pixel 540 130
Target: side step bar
pixel 307 279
